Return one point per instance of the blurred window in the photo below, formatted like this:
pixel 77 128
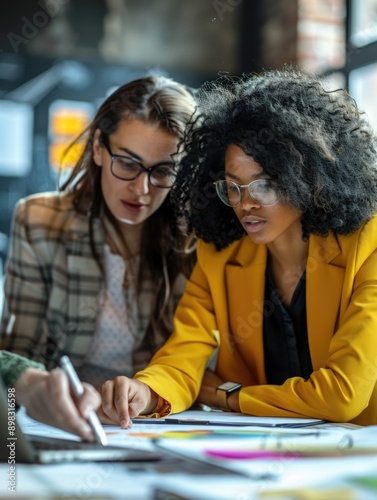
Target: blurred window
pixel 363 22
pixel 16 138
pixel 361 61
pixel 363 87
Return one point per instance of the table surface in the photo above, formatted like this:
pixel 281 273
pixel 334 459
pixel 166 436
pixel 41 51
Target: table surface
pixel 321 462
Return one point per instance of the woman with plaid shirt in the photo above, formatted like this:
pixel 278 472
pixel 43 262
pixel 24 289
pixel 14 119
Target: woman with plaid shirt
pixel 95 271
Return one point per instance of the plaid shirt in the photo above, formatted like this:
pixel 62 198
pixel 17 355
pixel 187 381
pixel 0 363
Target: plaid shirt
pixel 53 284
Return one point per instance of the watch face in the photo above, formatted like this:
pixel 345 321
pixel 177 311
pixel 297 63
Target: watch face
pixel 229 386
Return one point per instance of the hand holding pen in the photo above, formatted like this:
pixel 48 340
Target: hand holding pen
pixel 78 390
pixel 46 396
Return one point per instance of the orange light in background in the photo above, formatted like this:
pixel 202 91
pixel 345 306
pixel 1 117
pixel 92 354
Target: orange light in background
pixel 68 119
pixel 68 122
pixel 60 158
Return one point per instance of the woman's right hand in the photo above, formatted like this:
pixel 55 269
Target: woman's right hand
pixel 47 397
pixel 124 398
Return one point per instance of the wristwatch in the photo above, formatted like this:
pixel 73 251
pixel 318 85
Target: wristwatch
pixel 223 391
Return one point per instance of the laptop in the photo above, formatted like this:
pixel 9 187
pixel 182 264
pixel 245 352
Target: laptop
pixel 18 447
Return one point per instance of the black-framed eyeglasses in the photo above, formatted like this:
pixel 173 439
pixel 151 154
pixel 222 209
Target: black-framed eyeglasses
pixel 261 190
pixel 127 168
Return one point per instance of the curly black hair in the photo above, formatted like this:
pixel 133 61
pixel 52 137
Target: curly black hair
pixel 315 145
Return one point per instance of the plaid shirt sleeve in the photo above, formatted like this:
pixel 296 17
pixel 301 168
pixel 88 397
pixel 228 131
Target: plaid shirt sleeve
pixel 24 289
pixel 52 282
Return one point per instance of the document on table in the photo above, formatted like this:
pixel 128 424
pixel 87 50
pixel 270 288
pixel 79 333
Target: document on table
pixel 290 454
pixel 200 417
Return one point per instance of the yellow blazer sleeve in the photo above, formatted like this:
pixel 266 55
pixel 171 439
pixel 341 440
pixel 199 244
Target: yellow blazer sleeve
pixel 177 369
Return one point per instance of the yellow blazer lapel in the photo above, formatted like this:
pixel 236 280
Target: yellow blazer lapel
pixel 323 294
pixel 245 277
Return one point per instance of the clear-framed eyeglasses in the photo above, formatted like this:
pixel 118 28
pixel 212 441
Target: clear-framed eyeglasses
pixel 261 191
pixel 127 168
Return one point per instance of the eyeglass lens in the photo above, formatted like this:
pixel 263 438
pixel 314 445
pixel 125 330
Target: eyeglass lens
pixel 261 191
pixel 127 169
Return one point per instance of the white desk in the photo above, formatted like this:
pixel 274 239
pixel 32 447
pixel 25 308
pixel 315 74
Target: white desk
pixel 320 478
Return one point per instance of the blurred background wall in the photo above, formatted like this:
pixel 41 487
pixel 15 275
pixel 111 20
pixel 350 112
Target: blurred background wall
pixel 60 58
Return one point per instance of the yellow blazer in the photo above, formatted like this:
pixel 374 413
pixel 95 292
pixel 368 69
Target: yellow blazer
pixel 226 293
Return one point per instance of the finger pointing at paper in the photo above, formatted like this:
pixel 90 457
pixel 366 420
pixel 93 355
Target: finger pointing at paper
pixel 123 399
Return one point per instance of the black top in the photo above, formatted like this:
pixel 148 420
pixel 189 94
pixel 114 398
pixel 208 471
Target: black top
pixel 285 334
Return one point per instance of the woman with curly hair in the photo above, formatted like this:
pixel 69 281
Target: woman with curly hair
pixel 280 185
pixel 95 271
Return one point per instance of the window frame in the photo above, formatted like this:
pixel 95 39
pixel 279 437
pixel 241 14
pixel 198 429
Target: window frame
pixel 356 56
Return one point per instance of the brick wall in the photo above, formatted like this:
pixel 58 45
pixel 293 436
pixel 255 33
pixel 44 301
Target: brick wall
pixel 309 33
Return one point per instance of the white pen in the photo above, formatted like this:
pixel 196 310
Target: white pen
pixel 78 390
